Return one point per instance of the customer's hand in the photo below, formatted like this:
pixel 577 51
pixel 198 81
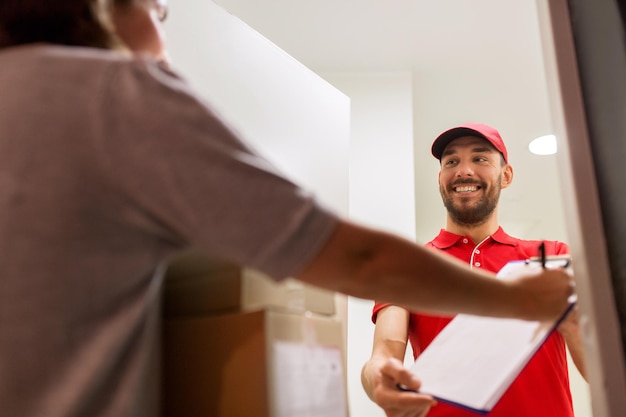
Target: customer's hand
pixel 544 293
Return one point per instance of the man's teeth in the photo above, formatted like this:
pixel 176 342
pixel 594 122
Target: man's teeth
pixel 466 189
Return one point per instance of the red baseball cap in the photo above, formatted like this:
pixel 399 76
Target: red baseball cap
pixel 470 129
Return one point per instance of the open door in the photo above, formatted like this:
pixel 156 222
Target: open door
pixel 585 57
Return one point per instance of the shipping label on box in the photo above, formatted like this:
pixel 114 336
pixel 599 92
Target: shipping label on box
pixel 308 380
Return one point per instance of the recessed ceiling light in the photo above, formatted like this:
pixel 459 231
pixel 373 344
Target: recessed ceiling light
pixel 543 145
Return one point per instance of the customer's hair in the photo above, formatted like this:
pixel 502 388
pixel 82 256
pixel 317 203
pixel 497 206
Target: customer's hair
pixel 66 22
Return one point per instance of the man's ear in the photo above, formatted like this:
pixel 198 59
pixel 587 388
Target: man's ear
pixel 507 176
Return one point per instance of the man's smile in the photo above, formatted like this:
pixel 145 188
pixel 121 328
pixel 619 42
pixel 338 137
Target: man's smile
pixel 465 188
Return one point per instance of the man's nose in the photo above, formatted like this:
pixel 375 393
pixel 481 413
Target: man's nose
pixel 464 169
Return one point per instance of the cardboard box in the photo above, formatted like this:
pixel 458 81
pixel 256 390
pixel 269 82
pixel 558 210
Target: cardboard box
pixel 264 363
pixel 195 284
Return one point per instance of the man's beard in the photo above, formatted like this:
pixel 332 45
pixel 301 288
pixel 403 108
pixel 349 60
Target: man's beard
pixel 477 214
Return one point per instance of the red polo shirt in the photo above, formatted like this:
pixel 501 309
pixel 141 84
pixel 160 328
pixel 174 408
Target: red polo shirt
pixel 542 389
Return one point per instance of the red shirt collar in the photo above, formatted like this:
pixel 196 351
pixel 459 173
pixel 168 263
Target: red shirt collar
pixel 446 239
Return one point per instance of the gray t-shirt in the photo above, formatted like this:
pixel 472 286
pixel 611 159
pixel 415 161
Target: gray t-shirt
pixel 108 166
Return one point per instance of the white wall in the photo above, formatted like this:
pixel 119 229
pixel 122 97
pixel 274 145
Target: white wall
pixel 287 112
pixel 381 191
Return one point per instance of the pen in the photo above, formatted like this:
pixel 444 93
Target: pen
pixel 542 254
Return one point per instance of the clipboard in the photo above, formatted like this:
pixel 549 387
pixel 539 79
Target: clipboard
pixel 472 362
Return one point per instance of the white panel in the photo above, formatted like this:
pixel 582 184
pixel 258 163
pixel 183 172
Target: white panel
pixel 287 112
pixel 381 192
pixel 381 152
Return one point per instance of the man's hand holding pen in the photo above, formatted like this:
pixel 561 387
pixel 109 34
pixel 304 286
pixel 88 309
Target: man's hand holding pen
pixel 559 261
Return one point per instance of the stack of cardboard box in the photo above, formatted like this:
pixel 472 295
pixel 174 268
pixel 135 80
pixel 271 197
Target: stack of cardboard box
pixel 236 343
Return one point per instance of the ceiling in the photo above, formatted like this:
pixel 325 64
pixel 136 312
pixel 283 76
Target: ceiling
pixel 471 60
pixel 382 35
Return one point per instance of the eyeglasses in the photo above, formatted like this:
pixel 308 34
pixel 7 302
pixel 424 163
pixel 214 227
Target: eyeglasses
pixel 160 7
